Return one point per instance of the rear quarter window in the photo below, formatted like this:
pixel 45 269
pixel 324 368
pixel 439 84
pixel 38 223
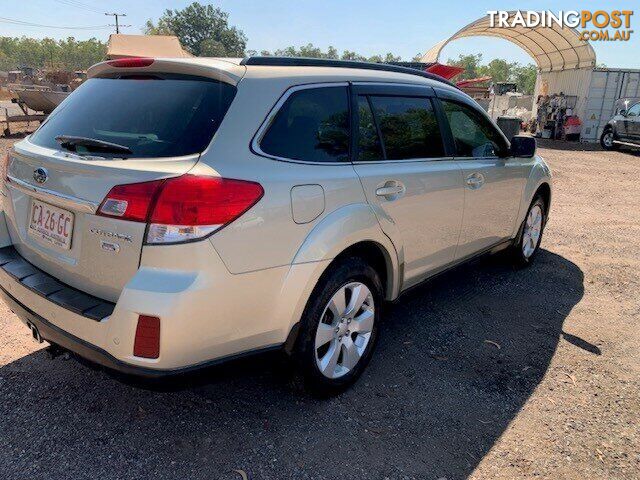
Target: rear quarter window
pixel 152 116
pixel 312 125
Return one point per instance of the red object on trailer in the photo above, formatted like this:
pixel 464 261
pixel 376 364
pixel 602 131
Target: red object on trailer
pixel 445 71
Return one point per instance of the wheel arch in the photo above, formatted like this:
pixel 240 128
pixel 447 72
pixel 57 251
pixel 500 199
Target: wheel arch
pixel 544 190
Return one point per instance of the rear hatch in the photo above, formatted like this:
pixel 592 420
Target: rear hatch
pixel 128 125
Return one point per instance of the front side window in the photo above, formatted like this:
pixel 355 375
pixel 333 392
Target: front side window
pixel 408 126
pixel 312 125
pixel 473 134
pixel 634 111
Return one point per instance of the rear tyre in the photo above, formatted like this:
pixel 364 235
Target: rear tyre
pixel 607 140
pixel 527 244
pixel 339 327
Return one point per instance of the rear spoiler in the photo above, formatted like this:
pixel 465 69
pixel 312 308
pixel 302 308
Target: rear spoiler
pixel 217 69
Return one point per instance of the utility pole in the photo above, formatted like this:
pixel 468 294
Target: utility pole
pixel 116 15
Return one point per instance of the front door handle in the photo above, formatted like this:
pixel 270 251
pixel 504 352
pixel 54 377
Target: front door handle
pixel 391 190
pixel 475 181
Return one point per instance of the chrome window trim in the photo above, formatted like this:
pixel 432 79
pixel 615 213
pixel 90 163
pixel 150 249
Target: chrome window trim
pixel 49 196
pixel 268 121
pixel 405 160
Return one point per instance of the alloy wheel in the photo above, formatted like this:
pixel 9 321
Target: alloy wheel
pixel 344 330
pixel 532 231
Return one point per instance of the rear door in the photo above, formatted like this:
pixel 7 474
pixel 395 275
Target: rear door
pixel 111 131
pixel 408 177
pixel 493 181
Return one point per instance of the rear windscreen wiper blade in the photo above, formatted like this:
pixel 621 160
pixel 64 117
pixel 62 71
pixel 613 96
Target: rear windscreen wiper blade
pixel 71 143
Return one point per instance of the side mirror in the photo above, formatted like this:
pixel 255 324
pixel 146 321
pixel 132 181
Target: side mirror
pixel 523 146
pixel 623 112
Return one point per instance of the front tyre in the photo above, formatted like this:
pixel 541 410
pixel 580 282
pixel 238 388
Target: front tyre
pixel 339 327
pixel 607 140
pixel 527 244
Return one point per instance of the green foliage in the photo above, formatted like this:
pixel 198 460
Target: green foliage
pixel 470 63
pixel 311 51
pixel 525 77
pixel 202 29
pixel 499 70
pixel 70 54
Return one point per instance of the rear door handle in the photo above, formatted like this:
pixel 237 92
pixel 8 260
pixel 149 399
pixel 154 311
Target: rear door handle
pixel 475 181
pixel 391 190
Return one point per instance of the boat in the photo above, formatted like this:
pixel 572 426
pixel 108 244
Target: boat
pixel 38 97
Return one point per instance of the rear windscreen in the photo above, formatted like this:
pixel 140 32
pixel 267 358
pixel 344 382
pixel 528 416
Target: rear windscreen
pixel 152 116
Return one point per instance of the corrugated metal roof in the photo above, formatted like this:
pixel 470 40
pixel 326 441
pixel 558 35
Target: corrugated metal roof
pixel 553 48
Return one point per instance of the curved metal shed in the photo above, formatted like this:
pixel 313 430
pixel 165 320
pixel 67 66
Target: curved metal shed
pixel 553 48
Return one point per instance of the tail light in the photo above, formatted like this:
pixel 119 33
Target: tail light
pixel 183 208
pixel 146 343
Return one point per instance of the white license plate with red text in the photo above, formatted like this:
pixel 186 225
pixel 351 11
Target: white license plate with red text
pixel 52 224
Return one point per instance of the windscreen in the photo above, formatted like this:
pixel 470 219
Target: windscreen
pixel 151 116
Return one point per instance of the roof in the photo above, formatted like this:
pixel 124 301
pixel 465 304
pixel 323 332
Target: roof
pixel 123 46
pixel 553 48
pixel 270 61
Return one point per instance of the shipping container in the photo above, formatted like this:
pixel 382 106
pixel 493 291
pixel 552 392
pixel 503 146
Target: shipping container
pixel 607 86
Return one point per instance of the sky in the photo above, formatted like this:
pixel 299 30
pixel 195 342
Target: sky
pixel 403 27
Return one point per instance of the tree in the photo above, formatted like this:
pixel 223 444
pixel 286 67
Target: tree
pixel 311 51
pixel 499 70
pixel 202 29
pixel 69 54
pixel 470 63
pixel 525 77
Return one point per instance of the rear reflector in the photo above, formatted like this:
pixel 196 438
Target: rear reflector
pixel 147 341
pixel 183 208
pixel 134 62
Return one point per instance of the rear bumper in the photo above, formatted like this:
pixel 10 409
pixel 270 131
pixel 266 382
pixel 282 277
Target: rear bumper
pixel 205 316
pixel 57 336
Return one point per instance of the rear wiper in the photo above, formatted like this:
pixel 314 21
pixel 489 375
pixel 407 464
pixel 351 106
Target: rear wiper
pixel 71 143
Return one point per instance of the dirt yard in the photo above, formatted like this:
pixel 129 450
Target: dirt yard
pixel 484 373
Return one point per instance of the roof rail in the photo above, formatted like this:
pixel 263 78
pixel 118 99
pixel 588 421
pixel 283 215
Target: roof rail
pixel 325 62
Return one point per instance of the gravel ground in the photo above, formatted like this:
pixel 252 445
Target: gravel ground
pixel 485 372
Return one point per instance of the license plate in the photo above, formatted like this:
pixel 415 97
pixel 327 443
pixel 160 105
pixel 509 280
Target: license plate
pixel 52 224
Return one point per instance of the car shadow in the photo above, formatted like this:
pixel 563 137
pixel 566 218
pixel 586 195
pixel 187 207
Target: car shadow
pixel 457 359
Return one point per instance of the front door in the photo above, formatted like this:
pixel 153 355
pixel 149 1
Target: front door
pixel 632 124
pixel 493 182
pixel 414 187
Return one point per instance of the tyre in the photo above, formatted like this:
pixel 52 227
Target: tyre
pixel 339 327
pixel 607 138
pixel 527 244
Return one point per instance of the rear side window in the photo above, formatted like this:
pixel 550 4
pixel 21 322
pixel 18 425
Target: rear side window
pixel 408 126
pixel 474 135
pixel 312 125
pixel 153 117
